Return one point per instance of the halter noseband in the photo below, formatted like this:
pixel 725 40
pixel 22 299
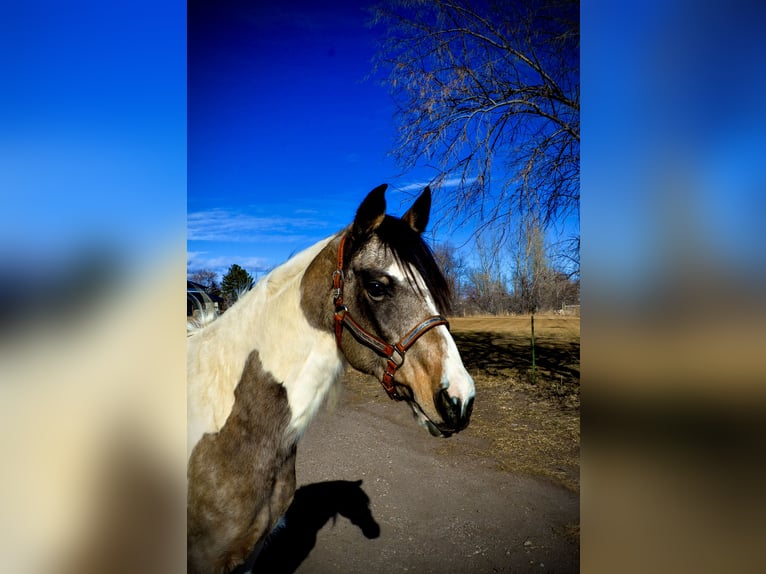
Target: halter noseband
pixel 394 353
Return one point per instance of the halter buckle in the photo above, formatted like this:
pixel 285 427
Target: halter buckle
pixel 337 281
pixel 396 357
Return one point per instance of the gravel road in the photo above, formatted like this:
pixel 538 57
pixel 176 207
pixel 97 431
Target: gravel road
pixel 424 504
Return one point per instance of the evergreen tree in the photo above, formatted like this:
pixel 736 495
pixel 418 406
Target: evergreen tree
pixel 235 283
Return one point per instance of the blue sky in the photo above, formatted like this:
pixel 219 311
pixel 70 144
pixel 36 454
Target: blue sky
pixel 287 131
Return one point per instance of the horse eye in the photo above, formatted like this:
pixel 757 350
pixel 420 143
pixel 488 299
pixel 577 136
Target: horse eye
pixel 376 290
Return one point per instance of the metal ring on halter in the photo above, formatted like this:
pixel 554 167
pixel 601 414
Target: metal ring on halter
pixel 340 311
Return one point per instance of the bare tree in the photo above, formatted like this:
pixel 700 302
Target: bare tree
pixel 454 268
pixel 205 277
pixel 532 272
pixel 488 92
pixel 487 292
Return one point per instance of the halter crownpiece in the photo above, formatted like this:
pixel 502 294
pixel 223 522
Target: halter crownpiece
pixel 393 353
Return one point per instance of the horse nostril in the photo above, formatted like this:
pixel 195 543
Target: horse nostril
pixel 449 408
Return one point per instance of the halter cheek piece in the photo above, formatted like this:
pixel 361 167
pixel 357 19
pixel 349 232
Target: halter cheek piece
pixel 393 353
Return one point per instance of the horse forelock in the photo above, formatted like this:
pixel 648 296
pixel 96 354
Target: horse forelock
pixel 414 257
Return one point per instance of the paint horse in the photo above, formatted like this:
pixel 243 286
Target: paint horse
pixel 372 297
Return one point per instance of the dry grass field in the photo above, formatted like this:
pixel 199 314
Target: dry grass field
pixel 532 423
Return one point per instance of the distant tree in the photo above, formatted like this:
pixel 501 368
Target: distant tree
pixel 537 284
pixel 486 291
pixel 453 267
pixel 531 269
pixel 236 282
pixel 488 92
pixel 207 278
pixel 557 290
pixel 204 277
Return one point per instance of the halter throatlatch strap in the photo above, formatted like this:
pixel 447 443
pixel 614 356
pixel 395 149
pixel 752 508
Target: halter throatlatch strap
pixel 393 353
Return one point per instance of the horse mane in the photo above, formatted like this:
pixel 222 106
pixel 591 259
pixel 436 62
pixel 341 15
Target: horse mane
pixel 412 253
pixel 204 316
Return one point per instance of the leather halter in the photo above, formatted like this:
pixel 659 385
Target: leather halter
pixel 393 353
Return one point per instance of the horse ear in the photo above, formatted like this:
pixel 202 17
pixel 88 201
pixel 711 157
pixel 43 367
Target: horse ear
pixel 371 212
pixel 417 215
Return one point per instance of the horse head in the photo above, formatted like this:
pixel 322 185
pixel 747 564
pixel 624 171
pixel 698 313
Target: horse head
pixel 390 299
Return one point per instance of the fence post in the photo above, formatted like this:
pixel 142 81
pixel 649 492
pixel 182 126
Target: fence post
pixel 534 370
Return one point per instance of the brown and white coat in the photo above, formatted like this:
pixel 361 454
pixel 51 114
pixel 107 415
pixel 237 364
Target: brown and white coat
pixel 259 373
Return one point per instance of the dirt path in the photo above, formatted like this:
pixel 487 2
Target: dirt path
pixel 424 504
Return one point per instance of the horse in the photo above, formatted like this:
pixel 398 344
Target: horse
pixel 257 375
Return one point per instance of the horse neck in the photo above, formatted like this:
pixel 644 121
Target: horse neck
pixel 299 353
pixel 295 352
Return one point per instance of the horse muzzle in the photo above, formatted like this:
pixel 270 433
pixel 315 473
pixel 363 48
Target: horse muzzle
pixel 455 413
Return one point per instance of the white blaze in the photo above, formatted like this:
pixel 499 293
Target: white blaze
pixel 455 378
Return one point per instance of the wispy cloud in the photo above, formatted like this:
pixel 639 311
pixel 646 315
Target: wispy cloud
pixel 448 183
pixel 228 225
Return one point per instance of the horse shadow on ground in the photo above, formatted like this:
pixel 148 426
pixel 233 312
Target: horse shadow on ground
pixel 290 543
